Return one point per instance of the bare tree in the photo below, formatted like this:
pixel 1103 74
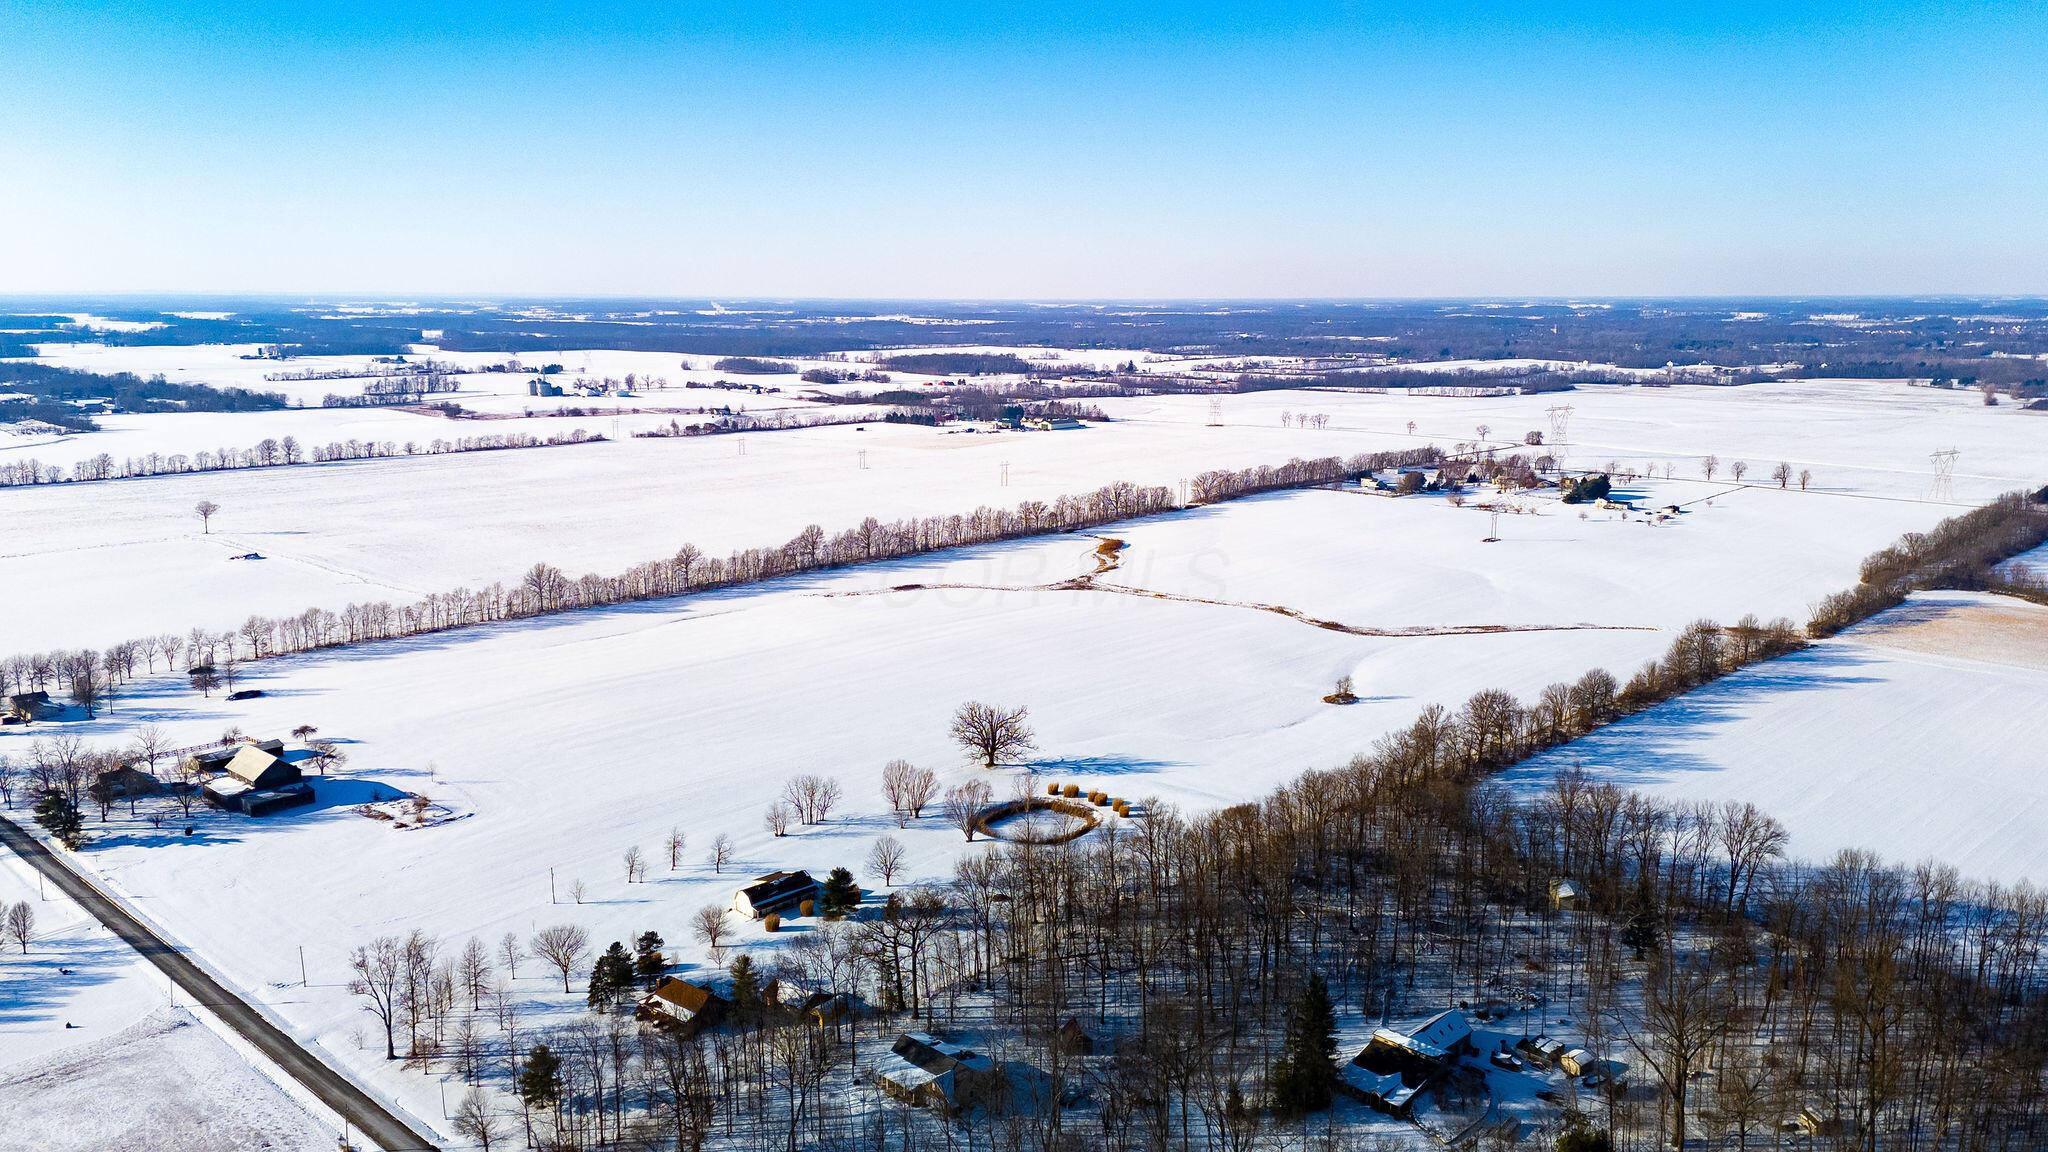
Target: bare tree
pixel 562 946
pixel 327 755
pixel 8 775
pixel 636 865
pixel 1782 474
pixel 205 510
pixel 1805 478
pixel 474 970
pixel 709 928
pixel 885 859
pixel 474 1120
pixel 721 852
pixel 1685 1012
pixel 990 732
pixel 21 925
pixel 578 890
pixel 812 796
pixel 150 745
pixel 1710 465
pixel 777 818
pixel 1739 469
pixel 379 975
pixel 908 789
pixel 1750 838
pixel 511 953
pixel 963 805
pixel 674 844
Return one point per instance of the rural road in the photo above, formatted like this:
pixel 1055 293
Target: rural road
pixel 367 1116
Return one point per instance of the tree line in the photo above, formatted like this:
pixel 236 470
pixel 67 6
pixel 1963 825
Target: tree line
pixel 270 452
pixel 545 589
pixel 1963 552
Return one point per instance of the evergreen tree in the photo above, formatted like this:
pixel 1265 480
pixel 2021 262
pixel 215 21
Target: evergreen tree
pixel 59 817
pixel 746 989
pixel 648 962
pixel 1579 1135
pixel 840 896
pixel 540 1084
pixel 1305 1076
pixel 1643 930
pixel 611 977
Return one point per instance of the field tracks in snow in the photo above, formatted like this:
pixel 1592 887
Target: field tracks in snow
pixel 1108 560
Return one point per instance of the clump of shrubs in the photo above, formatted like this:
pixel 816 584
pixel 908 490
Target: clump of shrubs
pixel 771 922
pixel 1586 489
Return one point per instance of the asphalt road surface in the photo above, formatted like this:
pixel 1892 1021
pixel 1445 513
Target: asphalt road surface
pixel 364 1114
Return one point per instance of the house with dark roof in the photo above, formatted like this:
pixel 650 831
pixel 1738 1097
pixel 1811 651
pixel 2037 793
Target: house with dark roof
pixel 29 706
pixel 257 781
pixel 926 1072
pixel 1395 1067
pixel 777 892
pixel 216 759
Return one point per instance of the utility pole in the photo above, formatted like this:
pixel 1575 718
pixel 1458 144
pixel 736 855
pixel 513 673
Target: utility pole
pixel 551 884
pixel 302 965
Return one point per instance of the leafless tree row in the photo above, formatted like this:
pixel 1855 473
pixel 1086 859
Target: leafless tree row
pixel 269 453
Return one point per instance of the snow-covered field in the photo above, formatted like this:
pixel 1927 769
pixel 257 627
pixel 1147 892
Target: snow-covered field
pixel 164 1084
pixel 94 1057
pixel 399 528
pixel 1917 735
pixel 108 987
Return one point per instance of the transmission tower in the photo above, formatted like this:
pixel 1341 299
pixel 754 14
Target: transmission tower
pixel 1560 430
pixel 1006 473
pixel 1215 411
pixel 1945 474
pixel 1493 533
pixel 863 459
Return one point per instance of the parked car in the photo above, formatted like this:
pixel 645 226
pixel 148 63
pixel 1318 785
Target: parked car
pixel 1507 1062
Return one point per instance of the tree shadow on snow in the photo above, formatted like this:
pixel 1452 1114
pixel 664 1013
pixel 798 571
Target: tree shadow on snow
pixel 1659 743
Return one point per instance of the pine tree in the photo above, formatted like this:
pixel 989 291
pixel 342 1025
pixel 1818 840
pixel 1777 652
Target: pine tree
pixel 540 1084
pixel 649 962
pixel 1643 930
pixel 1580 1135
pixel 746 988
pixel 611 977
pixel 59 816
pixel 1305 1077
pixel 840 896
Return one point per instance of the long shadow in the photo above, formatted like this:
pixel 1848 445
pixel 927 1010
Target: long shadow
pixel 334 798
pixel 1653 745
pixel 32 986
pixel 1105 765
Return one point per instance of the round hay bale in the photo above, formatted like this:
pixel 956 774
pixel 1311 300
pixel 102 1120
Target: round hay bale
pixel 998 821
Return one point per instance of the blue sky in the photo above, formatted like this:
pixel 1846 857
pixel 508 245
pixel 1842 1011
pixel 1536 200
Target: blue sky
pixel 1049 150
